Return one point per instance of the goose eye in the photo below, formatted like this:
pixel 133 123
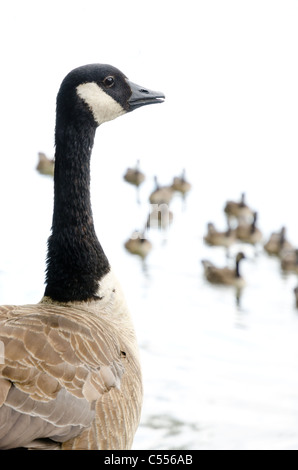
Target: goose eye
pixel 109 82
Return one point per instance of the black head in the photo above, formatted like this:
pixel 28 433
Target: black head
pixel 240 256
pixel 101 91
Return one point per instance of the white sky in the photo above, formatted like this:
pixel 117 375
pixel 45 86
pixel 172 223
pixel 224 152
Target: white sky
pixel 228 68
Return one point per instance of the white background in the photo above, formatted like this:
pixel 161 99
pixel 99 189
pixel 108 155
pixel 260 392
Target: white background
pixel 215 376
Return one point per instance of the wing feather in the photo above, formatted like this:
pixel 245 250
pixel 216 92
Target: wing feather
pixel 57 365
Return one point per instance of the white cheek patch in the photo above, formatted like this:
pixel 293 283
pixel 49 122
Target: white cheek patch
pixel 103 107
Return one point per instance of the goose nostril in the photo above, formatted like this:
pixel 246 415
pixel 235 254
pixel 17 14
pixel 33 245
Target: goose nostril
pixel 142 90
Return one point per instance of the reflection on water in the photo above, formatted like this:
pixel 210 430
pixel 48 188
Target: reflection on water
pixel 170 429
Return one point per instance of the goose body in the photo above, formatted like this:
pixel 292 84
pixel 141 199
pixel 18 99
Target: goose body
pixel 134 175
pixel 138 244
pixel 238 210
pixel 277 243
pixel 214 237
pixel 181 184
pixel 45 165
pixel 225 275
pixel 249 233
pixel 71 377
pixel 289 260
pixel 161 194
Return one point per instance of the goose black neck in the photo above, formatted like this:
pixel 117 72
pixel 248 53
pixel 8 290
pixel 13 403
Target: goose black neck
pixel 237 271
pixel 253 225
pixel 75 260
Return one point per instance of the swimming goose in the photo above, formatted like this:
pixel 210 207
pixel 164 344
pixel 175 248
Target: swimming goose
pixel 214 237
pixel 180 184
pixel 226 276
pixel 71 377
pixel 277 242
pixel 239 211
pixel 249 233
pixel 289 260
pixel 161 194
pixel 134 175
pixel 45 165
pixel 138 244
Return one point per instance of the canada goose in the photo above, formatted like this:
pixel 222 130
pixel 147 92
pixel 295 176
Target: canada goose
pixel 277 242
pixel 214 237
pixel 134 175
pixel 226 276
pixel 180 184
pixel 289 260
pixel 161 194
pixel 238 210
pixel 45 165
pixel 249 233
pixel 138 244
pixel 71 377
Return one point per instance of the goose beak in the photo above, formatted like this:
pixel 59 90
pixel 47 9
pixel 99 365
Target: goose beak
pixel 141 96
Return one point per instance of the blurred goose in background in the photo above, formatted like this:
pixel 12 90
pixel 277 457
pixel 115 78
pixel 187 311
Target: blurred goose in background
pixel 225 276
pixel 289 260
pixel 45 165
pixel 214 237
pixel 249 233
pixel 71 377
pixel 161 194
pixel 238 211
pixel 180 184
pixel 277 243
pixel 134 175
pixel 138 244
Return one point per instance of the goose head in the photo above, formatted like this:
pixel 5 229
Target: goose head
pixel 99 93
pixel 240 256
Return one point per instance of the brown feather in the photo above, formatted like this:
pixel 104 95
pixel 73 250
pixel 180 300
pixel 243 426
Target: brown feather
pixel 65 368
